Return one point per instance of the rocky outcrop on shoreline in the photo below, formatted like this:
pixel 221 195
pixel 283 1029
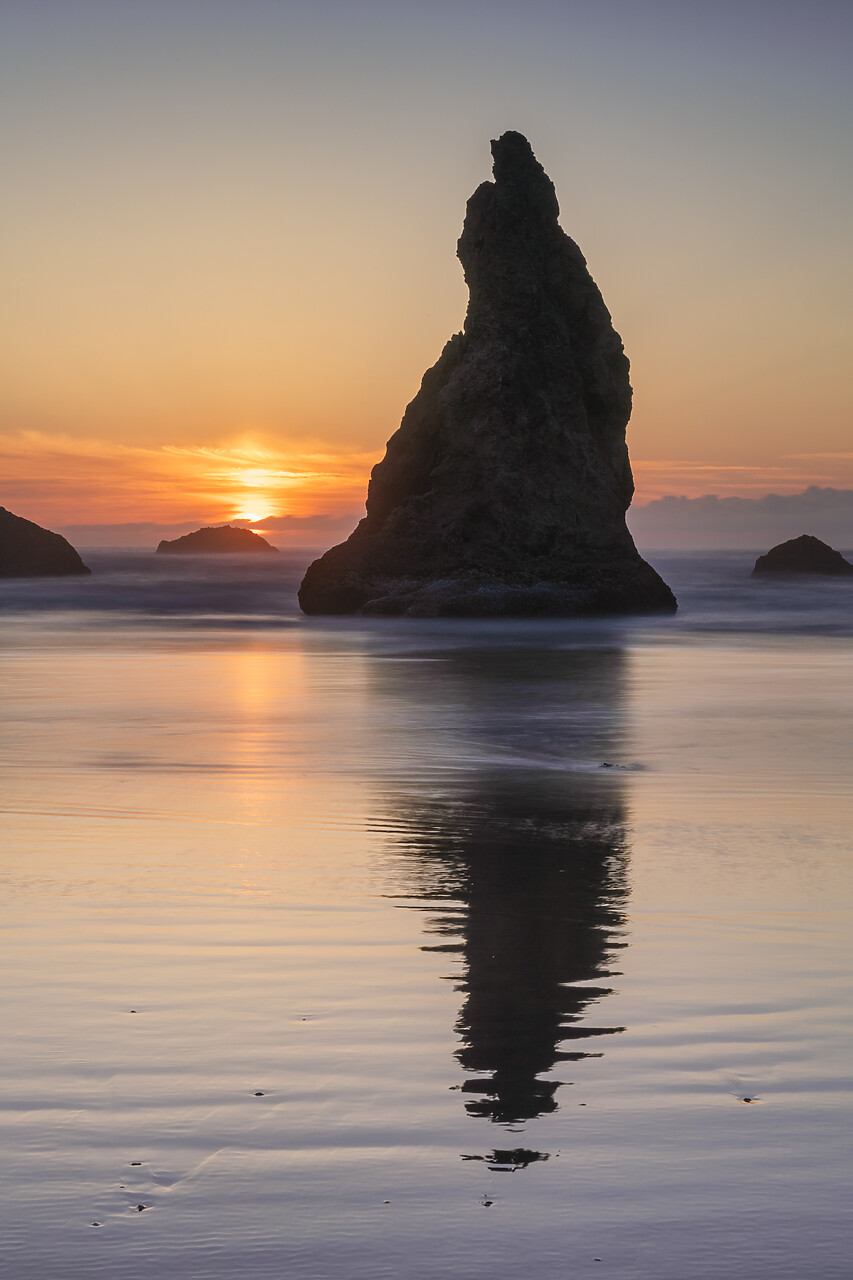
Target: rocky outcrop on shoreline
pixel 29 551
pixel 805 554
pixel 504 491
pixel 216 540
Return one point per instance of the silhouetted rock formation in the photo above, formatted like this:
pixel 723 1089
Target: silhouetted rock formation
pixel 505 489
pixel 802 555
pixel 214 541
pixel 29 551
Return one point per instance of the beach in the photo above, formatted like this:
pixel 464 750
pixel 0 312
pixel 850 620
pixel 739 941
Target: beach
pixel 383 947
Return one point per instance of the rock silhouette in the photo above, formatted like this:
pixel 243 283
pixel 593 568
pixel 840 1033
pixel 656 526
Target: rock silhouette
pixel 805 554
pixel 504 491
pixel 215 541
pixel 29 551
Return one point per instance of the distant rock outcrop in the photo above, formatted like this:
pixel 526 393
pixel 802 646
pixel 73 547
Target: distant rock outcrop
pixel 802 555
pixel 504 491
pixel 215 541
pixel 29 551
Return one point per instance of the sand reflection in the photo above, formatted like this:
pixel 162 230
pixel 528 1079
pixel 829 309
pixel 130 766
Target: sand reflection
pixel 516 852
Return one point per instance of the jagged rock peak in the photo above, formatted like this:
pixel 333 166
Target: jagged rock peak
pixel 29 551
pixel 508 224
pixel 504 491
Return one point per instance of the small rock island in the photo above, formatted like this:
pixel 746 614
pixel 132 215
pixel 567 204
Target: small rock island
pixel 504 491
pixel 805 554
pixel 216 540
pixel 29 551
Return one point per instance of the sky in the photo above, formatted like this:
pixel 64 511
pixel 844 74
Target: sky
pixel 229 233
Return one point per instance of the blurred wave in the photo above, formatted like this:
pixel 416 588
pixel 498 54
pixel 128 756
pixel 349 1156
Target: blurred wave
pixel 140 583
pixel 715 592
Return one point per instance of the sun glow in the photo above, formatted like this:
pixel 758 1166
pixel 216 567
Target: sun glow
pixel 57 479
pixel 257 478
pixel 256 506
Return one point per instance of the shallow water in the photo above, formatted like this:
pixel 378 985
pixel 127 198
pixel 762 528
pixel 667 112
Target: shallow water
pixel 383 948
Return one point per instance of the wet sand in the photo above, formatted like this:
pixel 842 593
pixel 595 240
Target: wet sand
pixel 378 950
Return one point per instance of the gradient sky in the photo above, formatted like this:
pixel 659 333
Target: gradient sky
pixel 229 231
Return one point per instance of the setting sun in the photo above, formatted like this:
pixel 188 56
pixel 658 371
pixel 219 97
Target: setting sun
pixel 255 478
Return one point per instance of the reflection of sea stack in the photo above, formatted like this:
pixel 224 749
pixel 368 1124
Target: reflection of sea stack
pixel 518 862
pixel 505 489
pixel 29 551
pixel 805 554
pixel 544 896
pixel 216 541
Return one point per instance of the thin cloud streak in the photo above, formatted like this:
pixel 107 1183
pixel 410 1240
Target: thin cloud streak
pixel 659 478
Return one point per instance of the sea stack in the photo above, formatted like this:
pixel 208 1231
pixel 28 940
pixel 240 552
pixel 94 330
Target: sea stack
pixel 216 540
pixel 805 554
pixel 504 491
pixel 29 551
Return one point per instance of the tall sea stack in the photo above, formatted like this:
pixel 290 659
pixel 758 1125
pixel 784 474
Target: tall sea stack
pixel 504 491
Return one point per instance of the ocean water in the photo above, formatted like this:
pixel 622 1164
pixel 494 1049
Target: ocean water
pixel 387 948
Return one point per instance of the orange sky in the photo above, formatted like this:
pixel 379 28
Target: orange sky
pixel 71 480
pixel 63 480
pixel 228 246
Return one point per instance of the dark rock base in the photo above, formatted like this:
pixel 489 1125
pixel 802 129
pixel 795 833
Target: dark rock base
pixel 482 596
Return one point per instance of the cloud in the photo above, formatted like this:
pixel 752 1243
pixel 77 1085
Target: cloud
pixel 293 524
pixel 658 478
pixel 284 531
pixel 755 523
